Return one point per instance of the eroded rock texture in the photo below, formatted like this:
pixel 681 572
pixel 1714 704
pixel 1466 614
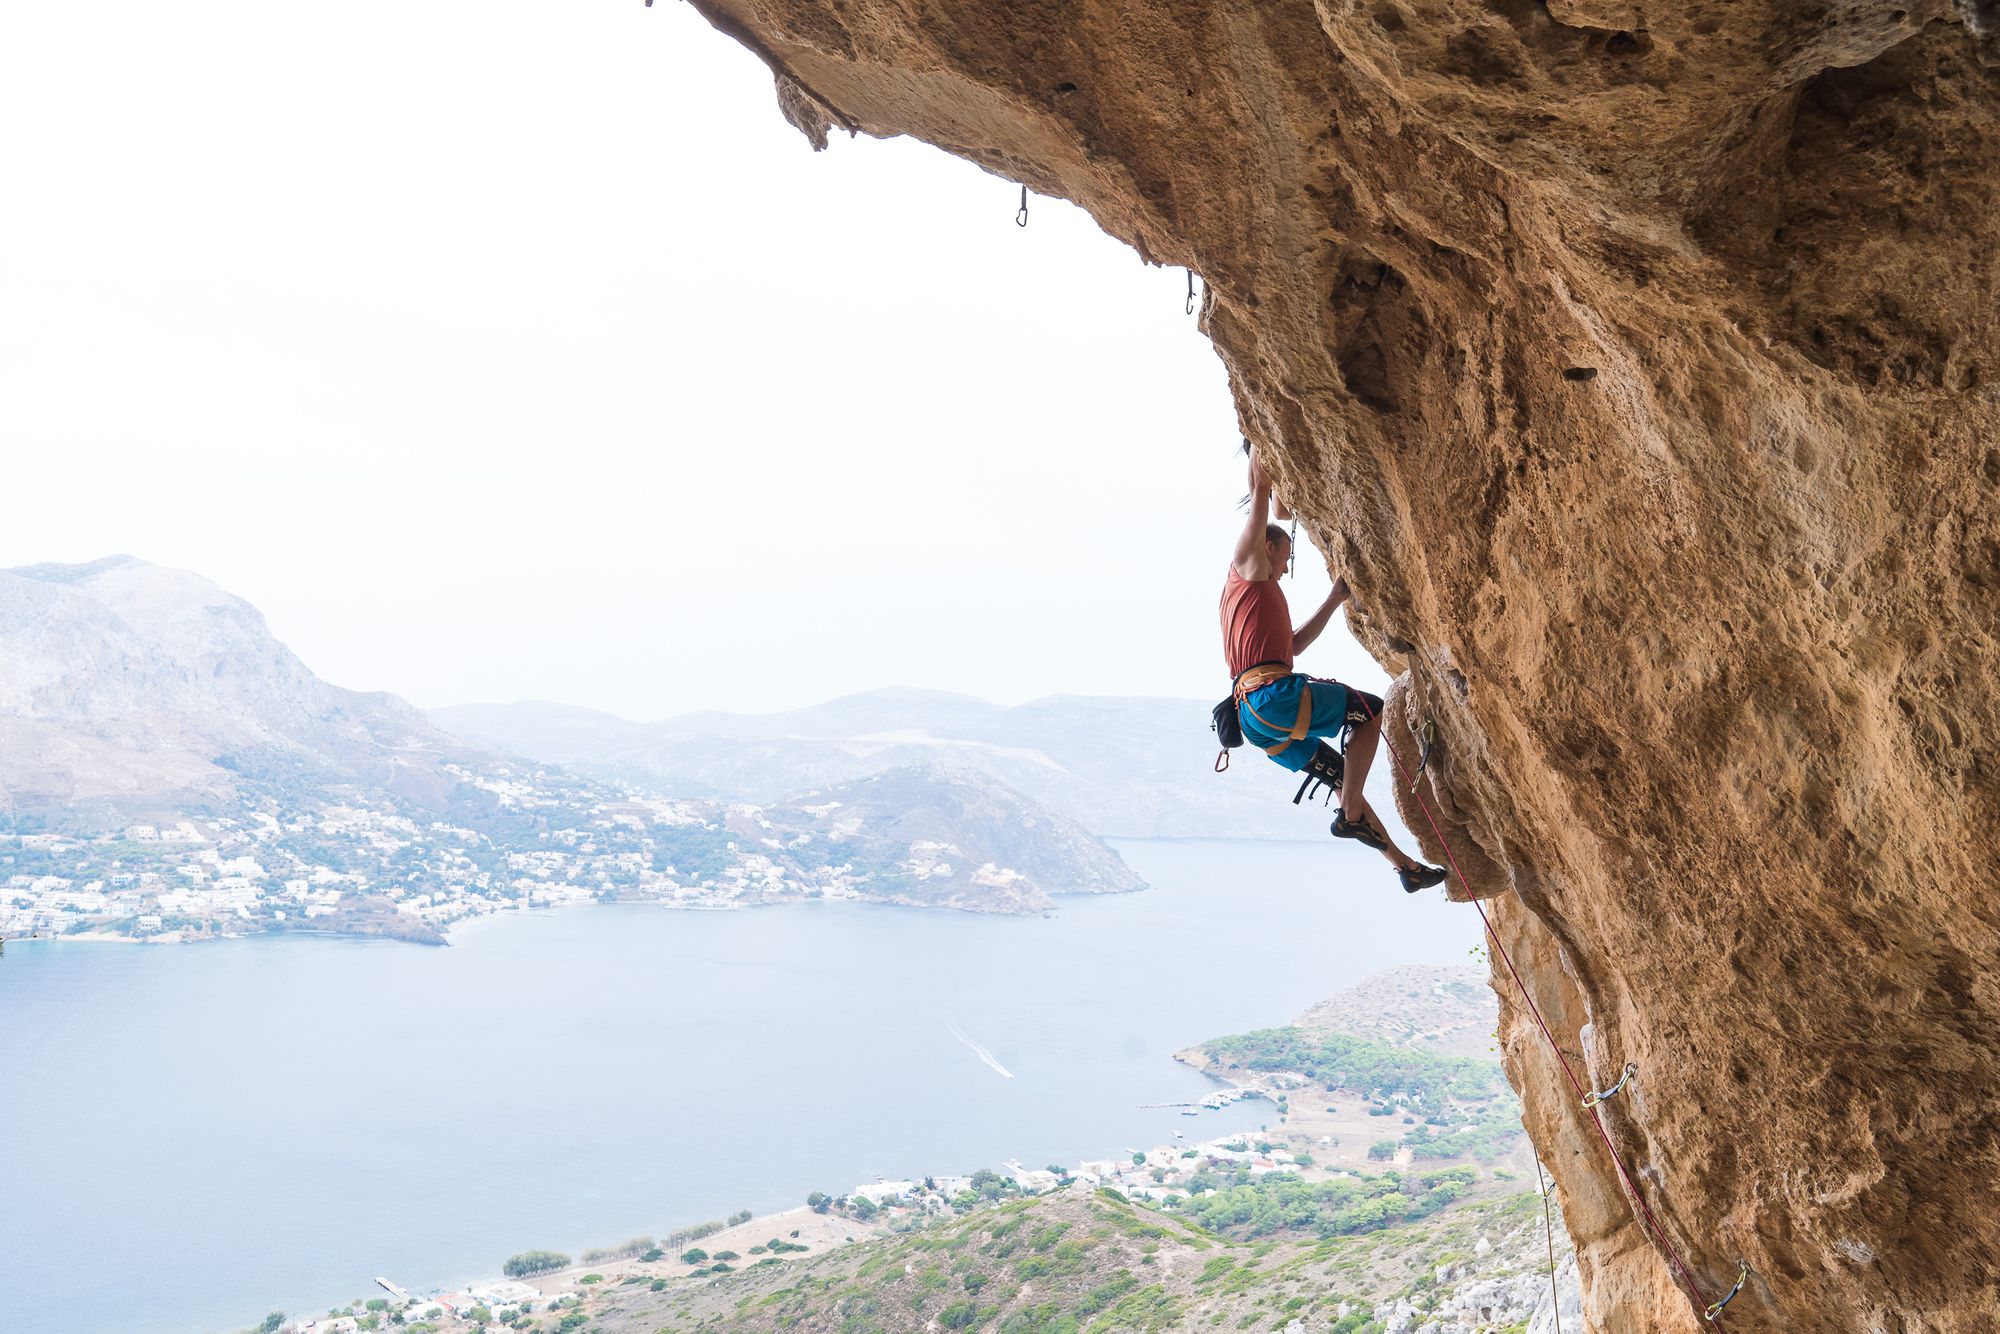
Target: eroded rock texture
pixel 1637 363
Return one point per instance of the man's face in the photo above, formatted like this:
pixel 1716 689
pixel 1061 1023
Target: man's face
pixel 1281 555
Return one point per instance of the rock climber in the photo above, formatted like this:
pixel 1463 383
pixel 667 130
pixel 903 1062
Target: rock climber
pixel 1285 713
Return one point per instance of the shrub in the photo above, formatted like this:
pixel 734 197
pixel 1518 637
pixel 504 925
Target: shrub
pixel 591 1278
pixel 694 1257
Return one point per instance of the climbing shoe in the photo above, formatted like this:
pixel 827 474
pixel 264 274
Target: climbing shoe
pixel 1360 831
pixel 1420 877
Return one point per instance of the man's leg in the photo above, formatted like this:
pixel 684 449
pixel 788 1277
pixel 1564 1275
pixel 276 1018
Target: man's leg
pixel 1354 807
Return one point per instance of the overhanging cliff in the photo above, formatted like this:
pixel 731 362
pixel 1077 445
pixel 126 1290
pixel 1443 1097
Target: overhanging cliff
pixel 1636 363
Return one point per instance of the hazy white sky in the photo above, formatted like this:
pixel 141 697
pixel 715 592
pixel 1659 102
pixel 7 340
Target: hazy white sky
pixel 502 350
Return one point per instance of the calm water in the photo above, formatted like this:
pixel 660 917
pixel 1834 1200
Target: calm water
pixel 193 1136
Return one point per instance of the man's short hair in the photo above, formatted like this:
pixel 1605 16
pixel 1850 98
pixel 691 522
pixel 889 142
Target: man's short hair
pixel 1276 533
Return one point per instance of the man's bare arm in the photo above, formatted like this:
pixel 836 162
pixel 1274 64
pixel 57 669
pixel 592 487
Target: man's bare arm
pixel 1253 555
pixel 1305 634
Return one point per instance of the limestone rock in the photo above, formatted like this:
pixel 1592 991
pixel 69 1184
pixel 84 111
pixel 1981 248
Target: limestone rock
pixel 1636 363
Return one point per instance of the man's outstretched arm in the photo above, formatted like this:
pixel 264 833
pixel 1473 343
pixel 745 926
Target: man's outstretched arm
pixel 1253 553
pixel 1310 631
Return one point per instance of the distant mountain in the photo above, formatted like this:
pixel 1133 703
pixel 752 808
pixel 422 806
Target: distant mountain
pixel 1125 767
pixel 128 688
pixel 959 839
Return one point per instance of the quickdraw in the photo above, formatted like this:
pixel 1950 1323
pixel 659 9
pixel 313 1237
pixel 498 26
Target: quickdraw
pixel 1591 1100
pixel 1424 760
pixel 1742 1277
pixel 1021 218
pixel 1190 300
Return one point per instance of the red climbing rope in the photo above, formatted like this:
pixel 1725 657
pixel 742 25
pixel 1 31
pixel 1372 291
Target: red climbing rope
pixel 1683 1278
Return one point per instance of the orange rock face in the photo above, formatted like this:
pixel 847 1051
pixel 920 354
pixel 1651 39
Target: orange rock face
pixel 1636 362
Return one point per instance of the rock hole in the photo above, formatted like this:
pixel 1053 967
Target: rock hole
pixel 1707 26
pixel 1580 374
pixel 1388 18
pixel 1063 88
pixel 1628 44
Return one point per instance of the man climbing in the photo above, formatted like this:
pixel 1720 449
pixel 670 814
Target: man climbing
pixel 1285 713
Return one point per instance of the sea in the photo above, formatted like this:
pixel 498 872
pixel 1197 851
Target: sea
pixel 193 1136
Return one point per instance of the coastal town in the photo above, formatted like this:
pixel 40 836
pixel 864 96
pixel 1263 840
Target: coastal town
pixel 507 840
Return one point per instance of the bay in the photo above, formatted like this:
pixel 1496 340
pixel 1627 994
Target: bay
pixel 193 1136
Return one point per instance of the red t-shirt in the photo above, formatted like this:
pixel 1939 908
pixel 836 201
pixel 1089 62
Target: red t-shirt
pixel 1256 623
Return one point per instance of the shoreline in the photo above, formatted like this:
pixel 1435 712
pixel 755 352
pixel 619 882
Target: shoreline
pixel 1326 1141
pixel 440 936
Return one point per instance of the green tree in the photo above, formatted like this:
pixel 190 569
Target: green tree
pixel 272 1323
pixel 533 1262
pixel 818 1201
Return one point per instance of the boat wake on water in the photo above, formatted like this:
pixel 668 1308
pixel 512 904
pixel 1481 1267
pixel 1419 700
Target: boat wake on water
pixel 980 1052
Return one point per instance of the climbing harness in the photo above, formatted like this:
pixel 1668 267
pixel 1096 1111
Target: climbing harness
pixel 1190 300
pixel 1021 218
pixel 1715 1308
pixel 1683 1278
pixel 1592 1099
pixel 1549 1231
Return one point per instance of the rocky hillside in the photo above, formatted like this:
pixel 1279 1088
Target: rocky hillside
pixel 130 690
pixel 1636 363
pixel 1126 768
pixel 1449 1011
pixel 1089 1260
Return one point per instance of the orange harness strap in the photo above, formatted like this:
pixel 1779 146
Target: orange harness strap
pixel 1260 676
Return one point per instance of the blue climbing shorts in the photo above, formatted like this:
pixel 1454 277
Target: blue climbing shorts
pixel 1335 708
